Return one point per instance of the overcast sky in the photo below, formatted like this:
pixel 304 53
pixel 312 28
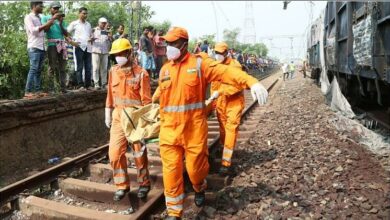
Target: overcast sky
pixel 270 20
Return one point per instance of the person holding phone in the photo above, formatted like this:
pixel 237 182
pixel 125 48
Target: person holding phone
pixel 57 36
pixel 102 38
pixel 36 48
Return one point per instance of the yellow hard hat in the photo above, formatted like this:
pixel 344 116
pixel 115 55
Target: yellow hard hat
pixel 221 47
pixel 120 45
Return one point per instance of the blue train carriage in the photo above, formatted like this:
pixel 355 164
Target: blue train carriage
pixel 357 49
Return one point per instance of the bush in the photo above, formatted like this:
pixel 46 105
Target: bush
pixel 14 63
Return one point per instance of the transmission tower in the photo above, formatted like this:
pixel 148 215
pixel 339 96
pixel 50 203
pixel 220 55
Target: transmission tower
pixel 249 24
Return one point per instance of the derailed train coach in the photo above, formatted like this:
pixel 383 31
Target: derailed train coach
pixel 356 49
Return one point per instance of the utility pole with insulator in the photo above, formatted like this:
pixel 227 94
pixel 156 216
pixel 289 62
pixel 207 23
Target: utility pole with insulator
pixel 285 3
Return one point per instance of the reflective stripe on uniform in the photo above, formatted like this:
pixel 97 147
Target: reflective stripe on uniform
pixel 175 207
pixel 119 101
pixel 138 154
pixel 174 199
pixel 227 154
pixel 120 179
pixel 184 108
pixel 119 171
pixel 227 151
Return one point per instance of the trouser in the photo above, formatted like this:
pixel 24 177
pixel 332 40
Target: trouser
pixel 304 73
pixel 285 75
pixel 195 151
pixel 36 57
pixel 291 74
pixel 83 59
pixel 99 65
pixel 71 73
pixel 229 111
pixel 147 62
pixel 57 67
pixel 117 150
pixel 159 63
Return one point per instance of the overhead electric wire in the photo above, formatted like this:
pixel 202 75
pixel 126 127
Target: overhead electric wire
pixel 224 15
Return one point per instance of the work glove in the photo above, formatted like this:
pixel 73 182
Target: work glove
pixel 259 93
pixel 214 96
pixel 108 117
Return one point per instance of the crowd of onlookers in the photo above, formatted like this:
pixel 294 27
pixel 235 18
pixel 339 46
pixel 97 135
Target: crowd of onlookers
pixel 248 61
pixel 78 53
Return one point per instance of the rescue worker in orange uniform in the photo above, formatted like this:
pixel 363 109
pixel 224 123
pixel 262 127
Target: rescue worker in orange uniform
pixel 183 131
pixel 229 105
pixel 128 85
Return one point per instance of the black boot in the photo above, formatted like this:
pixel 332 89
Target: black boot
pixel 200 198
pixel 143 191
pixel 224 171
pixel 120 193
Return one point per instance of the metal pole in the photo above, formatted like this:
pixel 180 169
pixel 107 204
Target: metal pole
pixel 216 19
pixel 131 20
pixel 139 5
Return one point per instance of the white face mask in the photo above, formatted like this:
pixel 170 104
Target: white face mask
pixel 121 60
pixel 219 57
pixel 173 53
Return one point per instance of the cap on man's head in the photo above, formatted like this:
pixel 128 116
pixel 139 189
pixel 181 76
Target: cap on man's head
pixel 55 5
pixel 221 47
pixel 102 20
pixel 175 33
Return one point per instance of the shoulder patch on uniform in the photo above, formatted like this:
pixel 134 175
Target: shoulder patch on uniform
pixel 191 70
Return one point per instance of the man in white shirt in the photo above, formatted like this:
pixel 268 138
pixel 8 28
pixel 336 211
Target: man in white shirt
pixel 285 71
pixel 81 31
pixel 100 48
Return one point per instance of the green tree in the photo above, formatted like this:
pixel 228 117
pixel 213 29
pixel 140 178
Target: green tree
pixel 14 62
pixel 258 49
pixel 164 26
pixel 209 37
pixel 230 37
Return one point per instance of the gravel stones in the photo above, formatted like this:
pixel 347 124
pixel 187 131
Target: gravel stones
pixel 298 166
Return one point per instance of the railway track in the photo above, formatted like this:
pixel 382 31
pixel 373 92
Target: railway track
pixel 82 187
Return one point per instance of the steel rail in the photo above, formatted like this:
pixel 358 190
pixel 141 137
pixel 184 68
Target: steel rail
pixel 9 193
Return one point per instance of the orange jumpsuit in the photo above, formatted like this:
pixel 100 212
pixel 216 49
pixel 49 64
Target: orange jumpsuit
pixel 127 87
pixel 183 130
pixel 229 106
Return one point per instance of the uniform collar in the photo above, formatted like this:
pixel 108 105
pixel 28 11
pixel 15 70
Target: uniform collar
pixel 127 70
